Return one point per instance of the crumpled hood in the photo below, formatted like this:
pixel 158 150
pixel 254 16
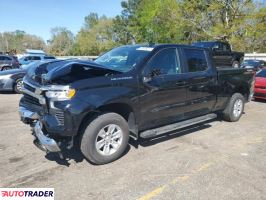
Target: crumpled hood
pixel 67 71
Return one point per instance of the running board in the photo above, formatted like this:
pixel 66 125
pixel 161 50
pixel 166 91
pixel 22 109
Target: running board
pixel 178 125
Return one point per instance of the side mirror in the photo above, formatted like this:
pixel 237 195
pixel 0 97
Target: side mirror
pixel 151 75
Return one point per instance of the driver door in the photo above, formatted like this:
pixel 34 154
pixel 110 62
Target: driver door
pixel 163 90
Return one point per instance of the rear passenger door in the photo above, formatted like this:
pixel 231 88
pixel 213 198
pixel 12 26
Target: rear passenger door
pixel 201 78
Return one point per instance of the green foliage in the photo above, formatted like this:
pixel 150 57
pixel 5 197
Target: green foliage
pixel 18 41
pixel 186 21
pixel 241 22
pixel 94 38
pixel 61 42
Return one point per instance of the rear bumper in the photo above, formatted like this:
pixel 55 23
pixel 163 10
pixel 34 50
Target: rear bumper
pixel 259 93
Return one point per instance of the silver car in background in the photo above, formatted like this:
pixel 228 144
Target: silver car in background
pixel 11 80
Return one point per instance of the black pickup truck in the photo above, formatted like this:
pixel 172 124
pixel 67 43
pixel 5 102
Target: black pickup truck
pixel 131 91
pixel 222 54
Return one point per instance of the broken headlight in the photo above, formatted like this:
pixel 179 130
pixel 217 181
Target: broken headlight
pixel 61 95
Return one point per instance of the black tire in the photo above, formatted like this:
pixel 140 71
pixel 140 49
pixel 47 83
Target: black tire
pixel 90 135
pixel 228 113
pixel 236 64
pixel 6 68
pixel 17 86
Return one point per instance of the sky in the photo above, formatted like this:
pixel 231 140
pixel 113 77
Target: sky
pixel 38 16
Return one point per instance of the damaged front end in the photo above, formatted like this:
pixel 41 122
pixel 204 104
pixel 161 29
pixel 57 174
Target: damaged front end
pixel 47 104
pixel 41 140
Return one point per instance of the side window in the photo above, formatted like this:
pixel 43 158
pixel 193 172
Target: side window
pixel 226 47
pixel 7 58
pixel 1 58
pixel 36 58
pixel 196 60
pixel 27 58
pixel 165 62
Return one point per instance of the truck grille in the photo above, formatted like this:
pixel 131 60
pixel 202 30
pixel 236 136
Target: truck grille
pixel 60 117
pixel 28 87
pixel 31 100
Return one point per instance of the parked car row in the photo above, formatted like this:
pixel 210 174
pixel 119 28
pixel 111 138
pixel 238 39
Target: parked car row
pixel 30 58
pixel 8 62
pixel 11 80
pixel 254 65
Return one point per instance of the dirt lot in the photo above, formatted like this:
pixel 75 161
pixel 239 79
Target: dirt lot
pixel 219 160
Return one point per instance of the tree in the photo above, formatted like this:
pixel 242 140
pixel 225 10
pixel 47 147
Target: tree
pixel 254 39
pixel 18 41
pixel 187 21
pixel 90 21
pixel 124 25
pixel 94 38
pixel 61 42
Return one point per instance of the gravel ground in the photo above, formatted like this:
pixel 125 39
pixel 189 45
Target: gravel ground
pixel 218 160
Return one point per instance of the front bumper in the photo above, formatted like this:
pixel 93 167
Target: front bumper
pixel 27 115
pixel 43 142
pixel 48 144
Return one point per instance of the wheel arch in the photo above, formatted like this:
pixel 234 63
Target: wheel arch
pixel 123 109
pixel 244 90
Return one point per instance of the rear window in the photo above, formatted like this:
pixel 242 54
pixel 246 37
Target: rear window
pixel 196 60
pixel 261 73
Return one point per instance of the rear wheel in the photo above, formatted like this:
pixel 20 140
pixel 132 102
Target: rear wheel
pixel 18 86
pixel 6 68
pixel 235 108
pixel 105 139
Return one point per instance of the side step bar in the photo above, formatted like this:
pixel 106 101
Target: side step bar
pixel 178 125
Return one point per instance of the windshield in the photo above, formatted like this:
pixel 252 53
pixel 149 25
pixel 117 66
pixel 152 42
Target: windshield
pixel 261 73
pixel 123 59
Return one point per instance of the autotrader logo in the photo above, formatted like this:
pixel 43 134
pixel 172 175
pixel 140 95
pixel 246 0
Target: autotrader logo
pixel 27 193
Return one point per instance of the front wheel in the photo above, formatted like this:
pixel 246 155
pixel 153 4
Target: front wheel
pixel 105 139
pixel 234 108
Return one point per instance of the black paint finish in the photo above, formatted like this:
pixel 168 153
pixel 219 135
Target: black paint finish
pixel 153 100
